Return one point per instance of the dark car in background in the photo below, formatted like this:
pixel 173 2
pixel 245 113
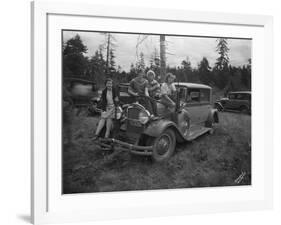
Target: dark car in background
pixel 237 101
pixel 79 90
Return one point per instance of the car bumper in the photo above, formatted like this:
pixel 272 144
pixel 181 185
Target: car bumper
pixel 110 143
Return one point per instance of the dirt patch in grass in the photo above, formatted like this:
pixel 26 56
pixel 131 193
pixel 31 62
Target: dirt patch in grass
pixel 211 160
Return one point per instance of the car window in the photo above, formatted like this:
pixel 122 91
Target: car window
pixel 240 96
pixel 182 93
pixel 193 96
pixel 205 95
pixel 243 97
pixel 231 96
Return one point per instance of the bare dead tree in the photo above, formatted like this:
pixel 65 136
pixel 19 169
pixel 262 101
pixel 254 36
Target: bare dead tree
pixel 162 58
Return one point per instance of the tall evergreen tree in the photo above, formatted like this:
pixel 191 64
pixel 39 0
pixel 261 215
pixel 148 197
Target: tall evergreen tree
pixel 223 59
pixel 204 71
pixel 74 61
pixel 221 69
pixel 97 67
pixel 246 75
pixel 185 73
pixel 109 46
pixel 141 64
pixel 111 69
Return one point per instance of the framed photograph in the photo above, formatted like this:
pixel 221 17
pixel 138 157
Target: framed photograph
pixel 141 112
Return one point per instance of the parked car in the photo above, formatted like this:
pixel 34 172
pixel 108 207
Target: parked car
pixel 238 101
pixel 140 133
pixel 79 90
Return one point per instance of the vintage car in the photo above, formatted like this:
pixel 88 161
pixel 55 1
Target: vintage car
pixel 238 101
pixel 79 90
pixel 140 133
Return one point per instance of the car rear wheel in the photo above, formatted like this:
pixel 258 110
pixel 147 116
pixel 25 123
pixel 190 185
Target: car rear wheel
pixel 210 124
pixel 164 146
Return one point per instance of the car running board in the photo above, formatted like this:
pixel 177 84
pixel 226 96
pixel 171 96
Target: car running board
pixel 194 134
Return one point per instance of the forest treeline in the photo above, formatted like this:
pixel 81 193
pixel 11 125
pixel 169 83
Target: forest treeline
pixel 102 64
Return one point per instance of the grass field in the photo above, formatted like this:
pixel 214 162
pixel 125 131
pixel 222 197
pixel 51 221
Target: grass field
pixel 211 160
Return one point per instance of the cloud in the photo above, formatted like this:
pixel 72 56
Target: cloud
pixel 240 52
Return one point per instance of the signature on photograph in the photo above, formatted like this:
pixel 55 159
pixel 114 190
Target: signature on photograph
pixel 240 178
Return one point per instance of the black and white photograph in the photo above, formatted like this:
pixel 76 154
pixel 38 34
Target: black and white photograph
pixel 147 111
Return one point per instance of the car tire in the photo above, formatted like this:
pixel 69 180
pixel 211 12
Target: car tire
pixel 210 122
pixel 164 146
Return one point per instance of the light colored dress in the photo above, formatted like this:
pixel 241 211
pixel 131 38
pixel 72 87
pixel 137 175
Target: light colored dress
pixel 167 90
pixel 110 108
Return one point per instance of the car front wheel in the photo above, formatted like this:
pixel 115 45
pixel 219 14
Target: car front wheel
pixel 210 124
pixel 164 146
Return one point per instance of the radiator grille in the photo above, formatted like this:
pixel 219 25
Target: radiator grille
pixel 133 125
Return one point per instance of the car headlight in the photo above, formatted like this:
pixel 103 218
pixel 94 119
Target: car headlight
pixel 119 112
pixel 143 117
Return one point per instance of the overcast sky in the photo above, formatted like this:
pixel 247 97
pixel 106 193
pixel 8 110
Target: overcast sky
pixel 178 48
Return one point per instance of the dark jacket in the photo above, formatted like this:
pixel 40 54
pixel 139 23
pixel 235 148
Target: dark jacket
pixel 103 101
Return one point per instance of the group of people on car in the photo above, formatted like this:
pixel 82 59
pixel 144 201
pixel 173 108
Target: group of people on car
pixel 145 89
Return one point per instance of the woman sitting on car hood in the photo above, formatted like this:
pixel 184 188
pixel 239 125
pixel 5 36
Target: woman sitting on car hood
pixel 168 89
pixel 108 103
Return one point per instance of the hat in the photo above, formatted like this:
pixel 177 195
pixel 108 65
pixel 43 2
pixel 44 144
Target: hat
pixel 150 72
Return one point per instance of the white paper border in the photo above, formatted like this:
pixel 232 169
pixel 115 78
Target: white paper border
pixel 47 213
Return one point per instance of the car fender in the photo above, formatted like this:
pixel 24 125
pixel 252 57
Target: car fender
pixel 155 128
pixel 213 114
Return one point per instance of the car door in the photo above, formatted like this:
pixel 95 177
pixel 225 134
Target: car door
pixel 193 107
pixel 205 106
pixel 242 101
pixel 231 102
pixel 183 122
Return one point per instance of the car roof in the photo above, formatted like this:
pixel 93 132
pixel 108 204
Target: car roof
pixel 240 92
pixel 186 84
pixel 78 80
pixel 192 85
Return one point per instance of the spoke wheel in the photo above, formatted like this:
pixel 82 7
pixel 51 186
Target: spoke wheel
pixel 164 146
